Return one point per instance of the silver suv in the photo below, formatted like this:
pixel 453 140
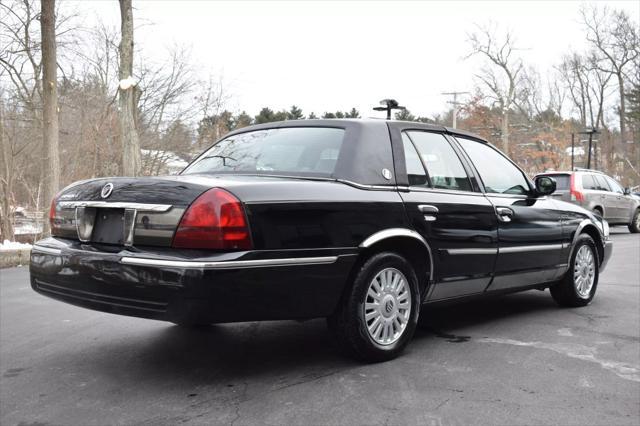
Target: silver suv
pixel 600 194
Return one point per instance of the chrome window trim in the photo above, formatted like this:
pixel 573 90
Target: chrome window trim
pixel 116 205
pixel 46 250
pixel 234 264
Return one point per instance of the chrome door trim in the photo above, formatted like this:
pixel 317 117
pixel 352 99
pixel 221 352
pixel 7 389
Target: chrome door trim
pixel 116 205
pixel 539 247
pixel 233 264
pixel 462 251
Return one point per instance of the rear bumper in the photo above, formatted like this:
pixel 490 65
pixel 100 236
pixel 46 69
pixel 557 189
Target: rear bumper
pixel 608 250
pixel 191 286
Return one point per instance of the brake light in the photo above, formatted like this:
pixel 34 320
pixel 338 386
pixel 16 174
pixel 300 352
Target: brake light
pixel 53 221
pixel 576 195
pixel 215 220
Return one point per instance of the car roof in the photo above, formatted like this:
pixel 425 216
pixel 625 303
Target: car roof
pixel 367 122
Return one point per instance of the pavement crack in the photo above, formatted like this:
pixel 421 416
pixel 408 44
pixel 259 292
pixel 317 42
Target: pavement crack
pixel 585 353
pixel 236 405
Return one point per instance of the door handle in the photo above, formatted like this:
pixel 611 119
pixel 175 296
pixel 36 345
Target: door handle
pixel 429 212
pixel 504 214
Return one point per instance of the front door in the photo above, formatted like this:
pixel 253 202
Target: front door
pixel 622 202
pixel 457 222
pixel 530 241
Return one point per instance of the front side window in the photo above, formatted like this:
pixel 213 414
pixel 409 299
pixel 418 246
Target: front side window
pixel 498 174
pixel 310 151
pixel 443 165
pixel 615 186
pixel 601 183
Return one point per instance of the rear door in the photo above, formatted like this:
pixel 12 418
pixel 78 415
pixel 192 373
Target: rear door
pixel 444 205
pixel 530 239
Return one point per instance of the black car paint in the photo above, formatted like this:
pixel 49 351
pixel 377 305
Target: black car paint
pixel 299 217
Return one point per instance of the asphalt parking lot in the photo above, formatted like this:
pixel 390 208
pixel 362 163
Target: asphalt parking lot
pixel 514 360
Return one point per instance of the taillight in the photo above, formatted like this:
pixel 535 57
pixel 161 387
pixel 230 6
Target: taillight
pixel 576 195
pixel 215 220
pixel 54 222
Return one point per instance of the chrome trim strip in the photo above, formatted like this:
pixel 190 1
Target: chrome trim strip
pixel 391 187
pixel 232 264
pixel 47 250
pixel 399 232
pixel 116 205
pixel 461 251
pixel 541 247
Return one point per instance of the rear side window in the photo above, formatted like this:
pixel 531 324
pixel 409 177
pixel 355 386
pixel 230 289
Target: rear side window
pixel 443 165
pixel 588 182
pixel 498 174
pixel 296 150
pixel 415 170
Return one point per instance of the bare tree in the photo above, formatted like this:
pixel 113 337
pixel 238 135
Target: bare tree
pixel 6 180
pixel 127 98
pixel 502 75
pixel 614 37
pixel 50 99
pixel 588 88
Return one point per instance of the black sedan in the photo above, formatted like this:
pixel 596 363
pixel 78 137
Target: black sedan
pixel 364 222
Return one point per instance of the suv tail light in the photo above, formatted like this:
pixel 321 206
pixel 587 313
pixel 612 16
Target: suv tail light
pixel 215 220
pixel 54 221
pixel 576 195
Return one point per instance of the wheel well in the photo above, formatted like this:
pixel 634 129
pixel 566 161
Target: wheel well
pixel 595 234
pixel 410 248
pixel 600 209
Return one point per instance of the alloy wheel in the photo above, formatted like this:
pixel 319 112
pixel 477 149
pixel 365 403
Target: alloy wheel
pixel 584 271
pixel 387 306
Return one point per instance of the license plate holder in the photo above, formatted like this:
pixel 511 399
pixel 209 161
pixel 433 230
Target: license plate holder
pixel 109 227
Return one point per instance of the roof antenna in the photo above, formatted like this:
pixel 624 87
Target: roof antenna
pixel 389 104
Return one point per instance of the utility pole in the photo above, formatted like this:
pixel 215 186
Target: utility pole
pixel 455 104
pixel 573 147
pixel 589 132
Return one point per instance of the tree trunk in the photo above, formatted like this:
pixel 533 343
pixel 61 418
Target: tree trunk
pixel 50 101
pixel 623 132
pixel 6 184
pixel 128 132
pixel 505 131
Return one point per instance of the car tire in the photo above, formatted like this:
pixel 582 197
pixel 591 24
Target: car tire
pixel 378 314
pixel 634 226
pixel 578 286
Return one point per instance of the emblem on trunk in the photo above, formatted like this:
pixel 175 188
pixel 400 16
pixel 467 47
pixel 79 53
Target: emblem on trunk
pixel 106 190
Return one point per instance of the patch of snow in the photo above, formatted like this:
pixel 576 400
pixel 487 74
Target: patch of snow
pixel 12 245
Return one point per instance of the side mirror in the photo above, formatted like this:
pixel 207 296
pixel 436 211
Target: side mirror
pixel 627 191
pixel 545 185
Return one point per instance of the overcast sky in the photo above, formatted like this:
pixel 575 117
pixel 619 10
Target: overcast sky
pixel 324 56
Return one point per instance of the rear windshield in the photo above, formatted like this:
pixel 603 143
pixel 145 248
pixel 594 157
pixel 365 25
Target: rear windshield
pixel 312 151
pixel 562 181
